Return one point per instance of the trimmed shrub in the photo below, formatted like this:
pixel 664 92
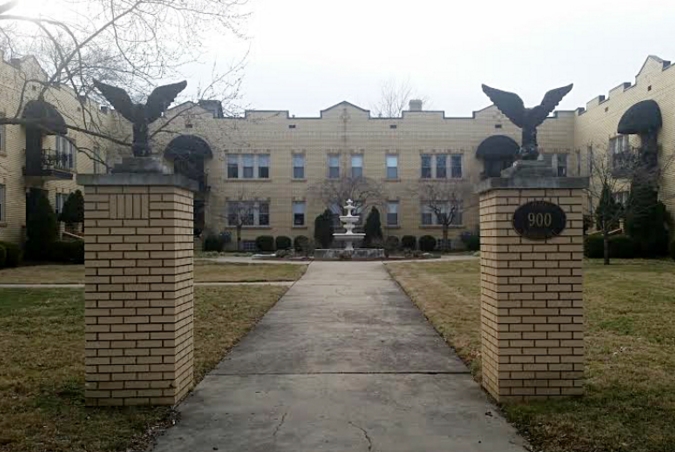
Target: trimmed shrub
pixel 14 254
pixel 42 229
pixel 620 247
pixel 323 229
pixel 300 243
pixel 265 243
pixel 392 243
pixel 427 243
pixel 372 228
pixel 213 243
pixel 3 256
pixel 409 242
pixel 672 249
pixel 283 243
pixel 471 240
pixel 73 209
pixel 69 252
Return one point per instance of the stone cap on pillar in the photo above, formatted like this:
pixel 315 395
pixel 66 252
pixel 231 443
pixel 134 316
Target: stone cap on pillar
pixel 138 179
pixel 526 174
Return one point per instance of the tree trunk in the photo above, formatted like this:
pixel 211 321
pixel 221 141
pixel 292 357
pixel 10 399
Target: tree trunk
pixel 445 238
pixel 605 237
pixel 238 238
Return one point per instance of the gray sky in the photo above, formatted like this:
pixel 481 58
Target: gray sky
pixel 309 54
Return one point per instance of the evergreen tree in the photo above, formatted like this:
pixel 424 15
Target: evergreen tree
pixel 647 220
pixel 609 212
pixel 42 228
pixel 323 229
pixel 73 209
pixel 373 228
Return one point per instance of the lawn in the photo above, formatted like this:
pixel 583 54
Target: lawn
pixel 629 404
pixel 42 367
pixel 204 272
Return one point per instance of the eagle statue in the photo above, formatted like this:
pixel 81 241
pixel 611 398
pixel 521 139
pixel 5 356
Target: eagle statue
pixel 141 115
pixel 528 119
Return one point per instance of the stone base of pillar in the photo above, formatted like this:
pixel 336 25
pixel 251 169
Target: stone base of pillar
pixel 138 288
pixel 531 292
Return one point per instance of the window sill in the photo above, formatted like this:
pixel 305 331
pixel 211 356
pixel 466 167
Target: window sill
pixel 446 179
pixel 299 227
pixel 233 179
pixel 298 180
pixel 392 180
pixel 393 226
pixel 244 228
pixel 438 226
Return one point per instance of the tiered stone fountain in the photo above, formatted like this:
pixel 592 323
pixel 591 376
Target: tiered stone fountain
pixel 349 237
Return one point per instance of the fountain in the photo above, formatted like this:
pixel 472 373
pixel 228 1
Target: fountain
pixel 349 237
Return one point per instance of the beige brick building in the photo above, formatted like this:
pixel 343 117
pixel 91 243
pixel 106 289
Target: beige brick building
pixel 275 164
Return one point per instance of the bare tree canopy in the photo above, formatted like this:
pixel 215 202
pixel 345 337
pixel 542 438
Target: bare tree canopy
pixel 364 191
pixel 394 98
pixel 132 44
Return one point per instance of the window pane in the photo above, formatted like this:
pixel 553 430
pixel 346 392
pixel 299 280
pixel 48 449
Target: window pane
pixel 392 213
pixel 263 214
pixel 426 166
pixel 247 162
pixel 233 166
pixel 392 173
pixel 456 162
pixel 427 218
pixel 357 171
pixel 298 213
pixel 264 166
pixel 562 165
pixel 441 166
pixel 392 166
pixel 357 161
pixel 298 166
pixel 333 166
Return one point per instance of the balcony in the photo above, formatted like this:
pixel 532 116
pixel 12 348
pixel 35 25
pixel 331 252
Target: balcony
pixel 49 164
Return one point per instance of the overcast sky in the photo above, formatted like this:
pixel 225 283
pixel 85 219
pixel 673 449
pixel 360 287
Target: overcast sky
pixel 306 55
pixel 309 54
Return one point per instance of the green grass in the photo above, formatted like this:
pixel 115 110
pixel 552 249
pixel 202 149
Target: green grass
pixel 629 404
pixel 42 367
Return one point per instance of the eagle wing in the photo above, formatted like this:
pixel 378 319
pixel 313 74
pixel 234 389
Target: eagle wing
pixel 551 100
pixel 508 103
pixel 161 98
pixel 118 98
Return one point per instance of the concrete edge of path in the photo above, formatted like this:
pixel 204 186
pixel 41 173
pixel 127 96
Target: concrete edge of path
pixel 200 284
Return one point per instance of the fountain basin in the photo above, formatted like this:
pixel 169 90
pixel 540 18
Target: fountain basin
pixel 362 254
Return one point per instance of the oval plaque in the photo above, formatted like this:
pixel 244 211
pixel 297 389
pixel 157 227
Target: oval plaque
pixel 539 220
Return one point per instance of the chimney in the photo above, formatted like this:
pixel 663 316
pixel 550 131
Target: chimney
pixel 415 104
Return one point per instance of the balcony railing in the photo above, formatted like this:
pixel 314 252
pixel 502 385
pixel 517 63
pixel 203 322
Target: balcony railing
pixel 51 164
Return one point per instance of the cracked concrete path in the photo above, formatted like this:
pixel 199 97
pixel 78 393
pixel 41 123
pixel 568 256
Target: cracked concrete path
pixel 343 362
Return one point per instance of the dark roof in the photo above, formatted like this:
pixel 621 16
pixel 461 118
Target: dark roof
pixel 497 147
pixel 46 117
pixel 642 117
pixel 188 145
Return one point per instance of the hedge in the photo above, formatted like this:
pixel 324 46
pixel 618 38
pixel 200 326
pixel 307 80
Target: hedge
pixel 283 243
pixel 265 243
pixel 300 243
pixel 620 247
pixel 3 256
pixel 392 243
pixel 471 240
pixel 672 249
pixel 409 242
pixel 427 243
pixel 14 254
pixel 213 243
pixel 71 252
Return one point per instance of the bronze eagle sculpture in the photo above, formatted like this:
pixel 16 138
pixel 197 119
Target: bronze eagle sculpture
pixel 527 119
pixel 141 115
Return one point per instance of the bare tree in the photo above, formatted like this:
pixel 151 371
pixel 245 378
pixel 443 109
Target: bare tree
pixel 364 191
pixel 133 44
pixel 613 176
pixel 394 98
pixel 240 207
pixel 445 201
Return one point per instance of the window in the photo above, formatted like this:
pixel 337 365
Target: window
pixel 97 160
pixel 336 210
pixel 426 166
pixel 264 166
pixel 560 164
pixel 333 166
pixel 2 137
pixel 233 166
pixel 298 213
pixel 591 160
pixel 578 156
pixel 247 164
pixel 3 203
pixel 357 166
pixel 620 152
pixel 621 197
pixel 298 166
pixel 392 166
pixel 60 201
pixel 441 166
pixel 65 153
pixel 249 245
pixel 248 213
pixel 392 213
pixel 456 166
pixel 427 215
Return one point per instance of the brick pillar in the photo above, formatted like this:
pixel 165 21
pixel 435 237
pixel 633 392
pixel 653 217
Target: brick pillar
pixel 138 288
pixel 531 292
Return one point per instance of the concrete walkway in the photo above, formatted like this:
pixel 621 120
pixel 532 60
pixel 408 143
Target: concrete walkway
pixel 341 367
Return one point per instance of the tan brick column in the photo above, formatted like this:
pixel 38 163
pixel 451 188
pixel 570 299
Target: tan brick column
pixel 138 288
pixel 531 293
